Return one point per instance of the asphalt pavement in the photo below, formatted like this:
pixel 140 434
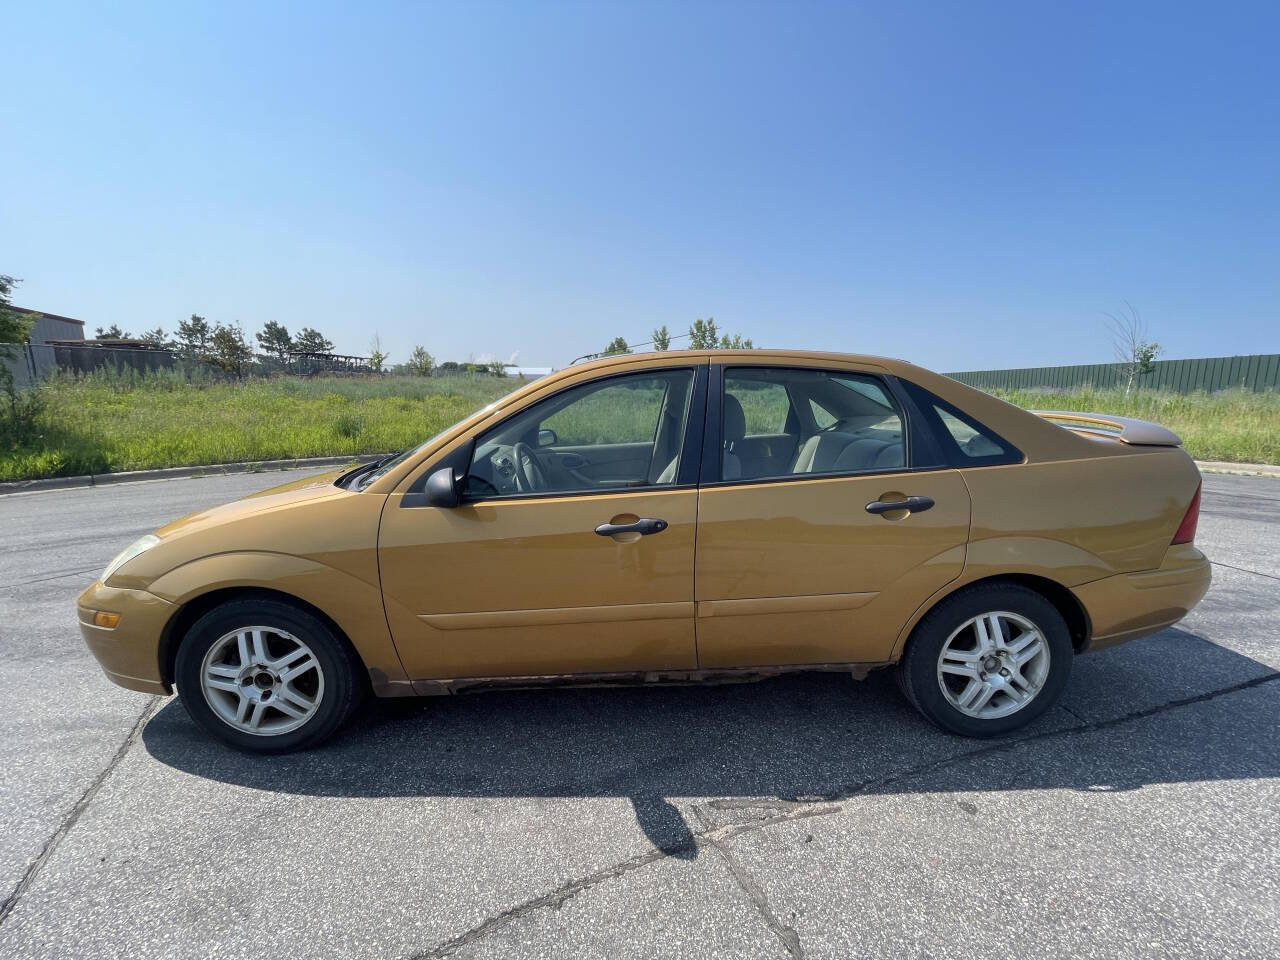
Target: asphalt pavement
pixel 807 816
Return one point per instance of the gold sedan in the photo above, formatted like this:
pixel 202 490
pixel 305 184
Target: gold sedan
pixel 672 517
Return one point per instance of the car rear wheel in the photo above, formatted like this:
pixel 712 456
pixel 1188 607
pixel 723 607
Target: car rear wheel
pixel 265 677
pixel 987 660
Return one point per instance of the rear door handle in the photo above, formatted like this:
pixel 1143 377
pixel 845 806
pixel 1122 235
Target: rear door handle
pixel 644 527
pixel 911 505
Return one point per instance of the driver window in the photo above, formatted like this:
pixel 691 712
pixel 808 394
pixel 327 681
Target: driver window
pixel 611 434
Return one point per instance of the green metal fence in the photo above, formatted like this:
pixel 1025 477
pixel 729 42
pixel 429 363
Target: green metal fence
pixel 1260 371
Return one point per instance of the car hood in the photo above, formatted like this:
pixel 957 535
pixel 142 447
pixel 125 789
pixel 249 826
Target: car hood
pixel 315 487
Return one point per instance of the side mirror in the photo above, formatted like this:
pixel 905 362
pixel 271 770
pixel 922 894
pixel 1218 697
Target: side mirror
pixel 547 437
pixel 442 488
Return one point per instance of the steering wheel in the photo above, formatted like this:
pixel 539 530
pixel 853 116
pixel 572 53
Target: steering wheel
pixel 529 475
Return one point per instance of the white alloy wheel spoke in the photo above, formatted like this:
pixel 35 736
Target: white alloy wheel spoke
pixel 257 713
pixel 219 683
pixel 1029 646
pixel 960 663
pixel 288 693
pixel 977 694
pixel 258 643
pixel 299 669
pixel 290 658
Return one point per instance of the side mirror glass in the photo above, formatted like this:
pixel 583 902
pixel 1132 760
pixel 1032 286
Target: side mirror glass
pixel 547 437
pixel 442 488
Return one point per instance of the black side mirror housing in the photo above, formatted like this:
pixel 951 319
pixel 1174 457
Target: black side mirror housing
pixel 547 437
pixel 442 489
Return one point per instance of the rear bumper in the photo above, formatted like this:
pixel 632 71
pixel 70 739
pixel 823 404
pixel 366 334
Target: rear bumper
pixel 129 654
pixel 1132 605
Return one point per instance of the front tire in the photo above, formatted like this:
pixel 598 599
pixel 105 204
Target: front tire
pixel 265 676
pixel 987 660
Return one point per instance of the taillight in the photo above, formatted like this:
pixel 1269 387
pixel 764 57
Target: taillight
pixel 1187 529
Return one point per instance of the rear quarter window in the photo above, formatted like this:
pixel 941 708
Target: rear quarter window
pixel 964 441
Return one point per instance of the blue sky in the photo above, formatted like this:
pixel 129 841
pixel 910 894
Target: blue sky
pixel 964 185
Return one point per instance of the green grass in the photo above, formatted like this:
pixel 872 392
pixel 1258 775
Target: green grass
pixel 107 422
pixel 112 422
pixel 1234 425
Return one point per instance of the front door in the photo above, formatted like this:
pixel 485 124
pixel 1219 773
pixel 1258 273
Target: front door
pixel 792 567
pixel 573 550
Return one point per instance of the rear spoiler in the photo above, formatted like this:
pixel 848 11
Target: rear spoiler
pixel 1125 429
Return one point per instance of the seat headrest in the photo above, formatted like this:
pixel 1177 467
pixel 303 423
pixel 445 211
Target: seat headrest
pixel 735 421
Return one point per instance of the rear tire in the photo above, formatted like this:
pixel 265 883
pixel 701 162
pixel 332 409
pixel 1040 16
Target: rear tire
pixel 987 660
pixel 266 677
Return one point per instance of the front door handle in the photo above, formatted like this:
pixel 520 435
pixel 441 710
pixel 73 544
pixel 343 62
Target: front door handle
pixel 644 527
pixel 911 505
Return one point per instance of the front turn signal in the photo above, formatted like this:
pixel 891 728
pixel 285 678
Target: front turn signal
pixel 108 621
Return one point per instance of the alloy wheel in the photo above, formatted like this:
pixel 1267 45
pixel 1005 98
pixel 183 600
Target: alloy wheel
pixel 993 665
pixel 262 681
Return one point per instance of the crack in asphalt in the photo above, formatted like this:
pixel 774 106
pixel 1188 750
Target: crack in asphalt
pixel 789 811
pixel 755 893
pixel 56 576
pixel 73 815
pixel 1256 573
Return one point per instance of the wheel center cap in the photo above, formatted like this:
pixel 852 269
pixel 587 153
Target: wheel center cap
pixel 991 664
pixel 264 681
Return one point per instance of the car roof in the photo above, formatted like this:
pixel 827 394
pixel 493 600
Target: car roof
pixel 739 355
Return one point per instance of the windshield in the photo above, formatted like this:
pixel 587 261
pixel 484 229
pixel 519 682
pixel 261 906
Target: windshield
pixel 384 467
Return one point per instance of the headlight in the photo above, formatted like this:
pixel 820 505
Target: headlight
pixel 139 546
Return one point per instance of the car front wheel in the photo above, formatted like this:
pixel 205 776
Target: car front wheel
pixel 265 677
pixel 987 660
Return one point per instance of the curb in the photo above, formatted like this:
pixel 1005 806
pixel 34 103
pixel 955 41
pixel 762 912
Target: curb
pixel 1238 469
pixel 177 473
pixel 266 466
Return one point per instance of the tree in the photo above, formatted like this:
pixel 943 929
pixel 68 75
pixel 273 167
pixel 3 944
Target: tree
pixel 156 339
pixel 230 351
pixel 15 326
pixel 193 337
pixel 312 341
pixel 497 368
pixel 735 342
pixel 1135 354
pixel 274 339
pixel 112 332
pixel 420 362
pixel 19 418
pixel 616 345
pixel 376 355
pixel 662 338
pixel 703 334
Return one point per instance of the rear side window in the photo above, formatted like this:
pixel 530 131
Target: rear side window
pixel 964 441
pixel 782 422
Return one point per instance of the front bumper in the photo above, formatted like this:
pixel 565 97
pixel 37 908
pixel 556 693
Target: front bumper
pixel 129 653
pixel 1132 605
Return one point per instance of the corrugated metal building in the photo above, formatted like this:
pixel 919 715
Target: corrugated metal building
pixel 50 326
pixel 35 360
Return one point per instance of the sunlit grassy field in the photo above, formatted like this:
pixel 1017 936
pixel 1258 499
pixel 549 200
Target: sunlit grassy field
pixel 1234 425
pixel 108 423
pixel 113 422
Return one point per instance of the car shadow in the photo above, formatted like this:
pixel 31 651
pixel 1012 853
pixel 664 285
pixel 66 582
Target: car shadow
pixel 794 738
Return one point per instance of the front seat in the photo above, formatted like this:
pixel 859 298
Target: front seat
pixel 735 428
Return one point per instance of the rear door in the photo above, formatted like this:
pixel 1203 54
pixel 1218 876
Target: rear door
pixel 803 559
